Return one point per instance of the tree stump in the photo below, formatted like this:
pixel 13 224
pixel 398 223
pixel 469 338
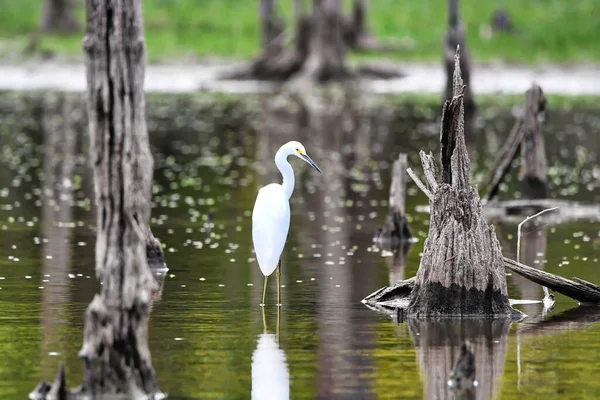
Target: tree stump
pixel 534 168
pixel 396 229
pixel 462 269
pixel 322 39
pixel 526 136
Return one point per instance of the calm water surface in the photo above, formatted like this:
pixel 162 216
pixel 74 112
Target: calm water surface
pixel 207 336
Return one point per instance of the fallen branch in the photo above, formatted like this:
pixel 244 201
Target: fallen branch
pixel 398 295
pixel 579 290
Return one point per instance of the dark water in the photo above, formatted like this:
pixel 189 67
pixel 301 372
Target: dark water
pixel 206 330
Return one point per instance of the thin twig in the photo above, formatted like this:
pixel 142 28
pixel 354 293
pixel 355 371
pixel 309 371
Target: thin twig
pixel 521 224
pixel 546 293
pixel 420 184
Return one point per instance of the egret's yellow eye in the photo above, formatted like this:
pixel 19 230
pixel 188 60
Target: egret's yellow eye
pixel 298 151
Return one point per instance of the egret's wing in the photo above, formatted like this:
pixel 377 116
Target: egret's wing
pixel 270 226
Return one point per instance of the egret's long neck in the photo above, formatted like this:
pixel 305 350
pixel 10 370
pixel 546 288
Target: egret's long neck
pixel 286 171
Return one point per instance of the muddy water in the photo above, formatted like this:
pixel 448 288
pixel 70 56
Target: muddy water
pixel 206 331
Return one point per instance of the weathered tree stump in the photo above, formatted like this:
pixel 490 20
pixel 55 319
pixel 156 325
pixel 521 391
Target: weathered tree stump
pixel 321 42
pixel 115 348
pixel 455 36
pixel 534 167
pixel 461 271
pixel 526 136
pixel 396 229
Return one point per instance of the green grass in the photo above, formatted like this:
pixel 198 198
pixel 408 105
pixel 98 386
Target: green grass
pixel 560 31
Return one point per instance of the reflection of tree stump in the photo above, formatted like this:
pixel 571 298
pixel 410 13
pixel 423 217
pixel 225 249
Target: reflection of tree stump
pixel 438 345
pixel 462 269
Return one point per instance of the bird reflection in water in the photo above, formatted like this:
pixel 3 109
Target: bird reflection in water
pixel 270 372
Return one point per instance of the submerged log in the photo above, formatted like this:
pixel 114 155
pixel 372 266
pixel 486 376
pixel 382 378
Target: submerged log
pixel 526 136
pixel 396 229
pixel 578 289
pixel 461 271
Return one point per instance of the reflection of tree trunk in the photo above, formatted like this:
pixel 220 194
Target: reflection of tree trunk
pixel 397 262
pixel 334 327
pixel 57 209
pixel 59 16
pixel 438 348
pixel 533 252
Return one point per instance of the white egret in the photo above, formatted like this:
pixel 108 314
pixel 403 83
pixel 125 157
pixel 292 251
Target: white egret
pixel 271 214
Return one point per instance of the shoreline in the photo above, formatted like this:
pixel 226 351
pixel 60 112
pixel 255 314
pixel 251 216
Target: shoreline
pixel 420 78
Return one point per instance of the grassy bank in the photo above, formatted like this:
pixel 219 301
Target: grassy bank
pixel 558 31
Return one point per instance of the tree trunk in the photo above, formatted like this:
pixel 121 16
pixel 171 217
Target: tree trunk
pixel 534 168
pixel 326 59
pixel 462 270
pixel 115 348
pixel 456 37
pixel 272 28
pixel 526 135
pixel 396 228
pixel 59 16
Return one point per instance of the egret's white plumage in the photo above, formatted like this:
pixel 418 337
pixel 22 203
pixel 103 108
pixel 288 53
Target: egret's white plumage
pixel 271 214
pixel 270 226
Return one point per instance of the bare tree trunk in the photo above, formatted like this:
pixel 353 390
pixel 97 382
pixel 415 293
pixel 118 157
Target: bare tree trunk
pixel 456 37
pixel 115 348
pixel 525 135
pixel 272 28
pixel 326 59
pixel 59 16
pixel 396 228
pixel 533 155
